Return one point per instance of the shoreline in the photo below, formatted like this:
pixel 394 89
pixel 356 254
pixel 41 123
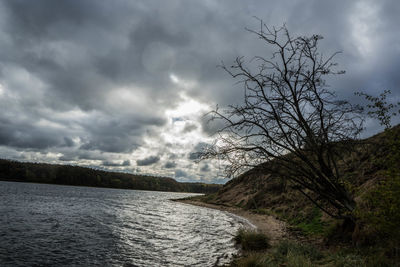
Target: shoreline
pixel 266 224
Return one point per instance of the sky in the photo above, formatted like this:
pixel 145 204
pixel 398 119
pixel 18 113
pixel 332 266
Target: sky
pixel 123 85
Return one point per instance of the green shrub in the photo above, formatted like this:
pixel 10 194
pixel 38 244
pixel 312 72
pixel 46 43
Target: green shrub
pixel 313 225
pixel 309 221
pixel 251 240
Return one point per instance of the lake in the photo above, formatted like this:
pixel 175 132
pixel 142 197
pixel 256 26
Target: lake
pixel 54 225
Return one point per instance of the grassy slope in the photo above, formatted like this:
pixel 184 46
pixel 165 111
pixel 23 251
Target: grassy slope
pixel 365 169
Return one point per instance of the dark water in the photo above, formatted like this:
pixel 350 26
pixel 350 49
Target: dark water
pixel 52 225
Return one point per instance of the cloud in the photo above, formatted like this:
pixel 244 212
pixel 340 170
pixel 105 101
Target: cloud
pixel 197 150
pixel 126 163
pixel 116 164
pixel 205 168
pixel 67 158
pixel 211 127
pixel 170 165
pixel 23 134
pixel 92 82
pixel 69 142
pixel 189 127
pixel 194 156
pixel 180 174
pixel 148 161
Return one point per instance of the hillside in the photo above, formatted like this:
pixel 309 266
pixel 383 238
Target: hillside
pixel 371 173
pixel 257 190
pixel 74 175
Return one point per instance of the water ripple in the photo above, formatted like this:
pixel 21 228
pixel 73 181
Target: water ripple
pixel 79 226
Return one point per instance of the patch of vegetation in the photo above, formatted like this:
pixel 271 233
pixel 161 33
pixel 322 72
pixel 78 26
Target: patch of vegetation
pixel 254 259
pixel 378 213
pixel 209 198
pixel 286 253
pixel 348 260
pixel 293 254
pixel 308 220
pixel 251 240
pixel 313 225
pixel 293 249
pixel 381 207
pixel 362 257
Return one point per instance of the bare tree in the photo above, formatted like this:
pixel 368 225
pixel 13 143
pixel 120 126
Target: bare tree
pixel 378 108
pixel 290 123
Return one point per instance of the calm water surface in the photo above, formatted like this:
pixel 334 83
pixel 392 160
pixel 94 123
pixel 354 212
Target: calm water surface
pixel 52 225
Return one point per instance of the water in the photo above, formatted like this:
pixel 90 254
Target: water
pixel 53 225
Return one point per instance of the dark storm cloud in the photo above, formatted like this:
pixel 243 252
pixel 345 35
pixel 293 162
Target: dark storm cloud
pixel 91 79
pixel 170 165
pixel 79 155
pixel 148 161
pixel 69 142
pixel 82 50
pixel 141 42
pixel 21 134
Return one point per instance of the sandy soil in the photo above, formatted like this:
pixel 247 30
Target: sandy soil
pixel 266 224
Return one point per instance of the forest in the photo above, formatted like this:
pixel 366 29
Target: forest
pixel 81 176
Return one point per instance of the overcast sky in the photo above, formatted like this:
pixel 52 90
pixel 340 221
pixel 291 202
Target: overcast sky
pixel 122 84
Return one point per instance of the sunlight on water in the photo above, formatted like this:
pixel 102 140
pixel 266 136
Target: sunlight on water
pixel 80 226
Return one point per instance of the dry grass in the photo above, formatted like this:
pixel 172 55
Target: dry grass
pixel 252 240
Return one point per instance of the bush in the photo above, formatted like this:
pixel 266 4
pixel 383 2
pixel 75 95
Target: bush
pixel 251 240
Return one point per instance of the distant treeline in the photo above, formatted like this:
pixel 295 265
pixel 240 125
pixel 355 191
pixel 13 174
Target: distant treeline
pixel 74 175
